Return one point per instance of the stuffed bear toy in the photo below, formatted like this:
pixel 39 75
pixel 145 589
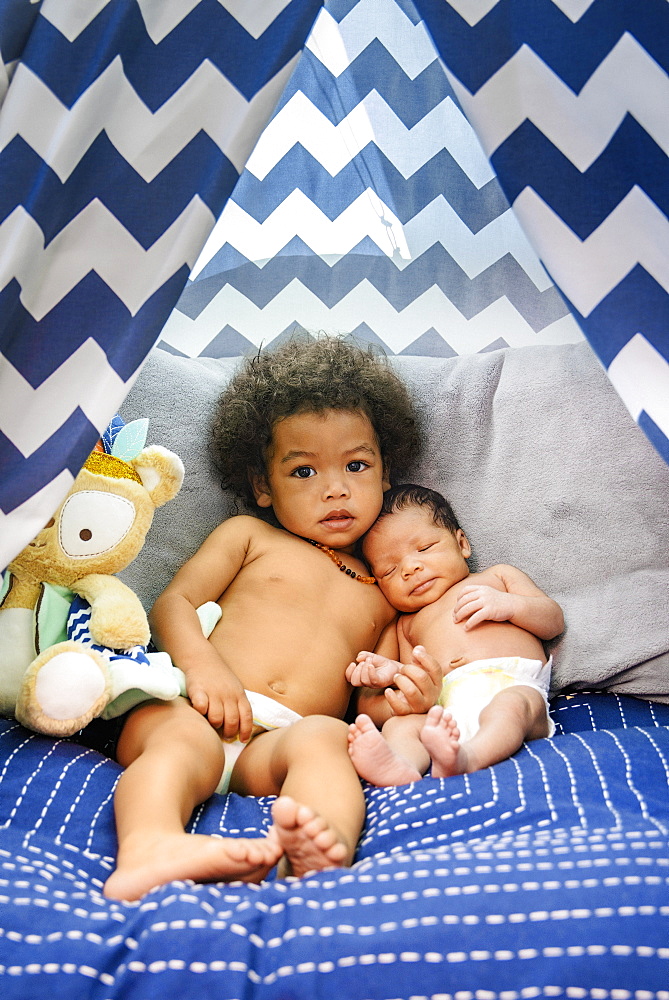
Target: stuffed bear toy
pixel 72 635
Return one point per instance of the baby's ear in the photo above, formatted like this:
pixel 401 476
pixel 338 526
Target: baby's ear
pixel 260 489
pixel 463 542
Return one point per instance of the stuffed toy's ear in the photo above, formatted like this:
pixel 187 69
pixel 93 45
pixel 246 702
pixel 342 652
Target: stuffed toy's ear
pixel 161 472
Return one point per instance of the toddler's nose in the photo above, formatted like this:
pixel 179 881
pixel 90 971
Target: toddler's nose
pixel 335 490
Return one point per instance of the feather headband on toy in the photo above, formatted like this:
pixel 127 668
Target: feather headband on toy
pixel 102 464
pixel 120 442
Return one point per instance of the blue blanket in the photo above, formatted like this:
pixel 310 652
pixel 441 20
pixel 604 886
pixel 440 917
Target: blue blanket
pixel 545 875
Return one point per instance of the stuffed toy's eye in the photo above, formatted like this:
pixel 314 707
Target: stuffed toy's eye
pixel 92 523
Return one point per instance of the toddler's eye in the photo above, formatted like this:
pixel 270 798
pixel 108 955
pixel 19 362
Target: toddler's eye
pixel 357 465
pixel 303 472
pixel 424 548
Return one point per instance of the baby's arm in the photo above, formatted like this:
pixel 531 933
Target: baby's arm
pixel 518 600
pixel 388 687
pixel 213 689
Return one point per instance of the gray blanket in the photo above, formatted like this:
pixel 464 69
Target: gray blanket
pixel 544 467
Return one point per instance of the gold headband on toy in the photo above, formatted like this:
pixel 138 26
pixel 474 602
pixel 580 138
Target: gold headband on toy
pixel 102 464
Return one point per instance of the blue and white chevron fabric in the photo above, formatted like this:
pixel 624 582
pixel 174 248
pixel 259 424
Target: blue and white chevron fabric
pixel 570 99
pixel 368 207
pixel 123 129
pixel 78 630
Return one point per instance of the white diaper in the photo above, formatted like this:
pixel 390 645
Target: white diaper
pixel 267 713
pixel 467 690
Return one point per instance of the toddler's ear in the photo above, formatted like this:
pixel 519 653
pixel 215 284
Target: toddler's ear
pixel 260 490
pixel 386 477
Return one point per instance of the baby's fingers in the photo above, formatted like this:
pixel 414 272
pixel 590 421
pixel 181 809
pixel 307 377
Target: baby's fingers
pixel 463 609
pixel 398 702
pixel 417 697
pixel 413 678
pixel 476 619
pixel 428 663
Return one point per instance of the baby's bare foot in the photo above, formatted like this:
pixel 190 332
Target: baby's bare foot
pixel 308 841
pixel 374 759
pixel 160 859
pixel 440 736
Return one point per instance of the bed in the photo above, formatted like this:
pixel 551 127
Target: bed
pixel 544 876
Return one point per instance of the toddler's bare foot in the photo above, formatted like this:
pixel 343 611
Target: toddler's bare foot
pixel 308 841
pixel 374 759
pixel 440 736
pixel 156 860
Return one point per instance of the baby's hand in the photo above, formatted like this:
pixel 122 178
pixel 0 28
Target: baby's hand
pixel 478 603
pixel 372 670
pixel 418 685
pixel 216 693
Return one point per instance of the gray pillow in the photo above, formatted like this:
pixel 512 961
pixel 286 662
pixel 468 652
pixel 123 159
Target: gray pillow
pixel 545 469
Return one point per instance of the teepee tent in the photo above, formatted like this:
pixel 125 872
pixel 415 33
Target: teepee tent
pixel 442 177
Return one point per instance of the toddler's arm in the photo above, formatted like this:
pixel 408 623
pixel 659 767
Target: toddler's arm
pixel 213 688
pixel 372 670
pixel 377 669
pixel 518 600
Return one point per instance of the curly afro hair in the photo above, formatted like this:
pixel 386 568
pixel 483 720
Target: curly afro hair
pixel 307 375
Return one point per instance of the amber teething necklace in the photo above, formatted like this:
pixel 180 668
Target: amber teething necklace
pixel 338 562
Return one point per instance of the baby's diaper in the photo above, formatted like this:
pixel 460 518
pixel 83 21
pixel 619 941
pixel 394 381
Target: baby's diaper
pixel 466 691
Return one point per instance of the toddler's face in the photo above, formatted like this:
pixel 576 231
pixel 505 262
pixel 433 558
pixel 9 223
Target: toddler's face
pixel 325 476
pixel 414 560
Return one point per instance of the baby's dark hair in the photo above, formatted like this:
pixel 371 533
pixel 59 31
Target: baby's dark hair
pixel 410 495
pixel 308 376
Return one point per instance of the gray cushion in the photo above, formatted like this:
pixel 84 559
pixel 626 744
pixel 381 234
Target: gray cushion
pixel 545 469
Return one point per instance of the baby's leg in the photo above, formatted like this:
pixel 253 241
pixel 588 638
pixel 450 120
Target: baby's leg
pixel 394 756
pixel 440 737
pixel 513 716
pixel 174 760
pixel 321 809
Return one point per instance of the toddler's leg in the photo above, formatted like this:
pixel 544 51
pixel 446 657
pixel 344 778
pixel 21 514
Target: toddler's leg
pixel 174 760
pixel 394 756
pixel 513 716
pixel 321 809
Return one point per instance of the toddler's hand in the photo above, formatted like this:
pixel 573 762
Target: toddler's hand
pixel 217 694
pixel 478 603
pixel 372 670
pixel 418 685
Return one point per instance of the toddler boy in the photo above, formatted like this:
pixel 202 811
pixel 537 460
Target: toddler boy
pixel 308 433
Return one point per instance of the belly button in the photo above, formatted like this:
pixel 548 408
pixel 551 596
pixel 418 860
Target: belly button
pixel 277 686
